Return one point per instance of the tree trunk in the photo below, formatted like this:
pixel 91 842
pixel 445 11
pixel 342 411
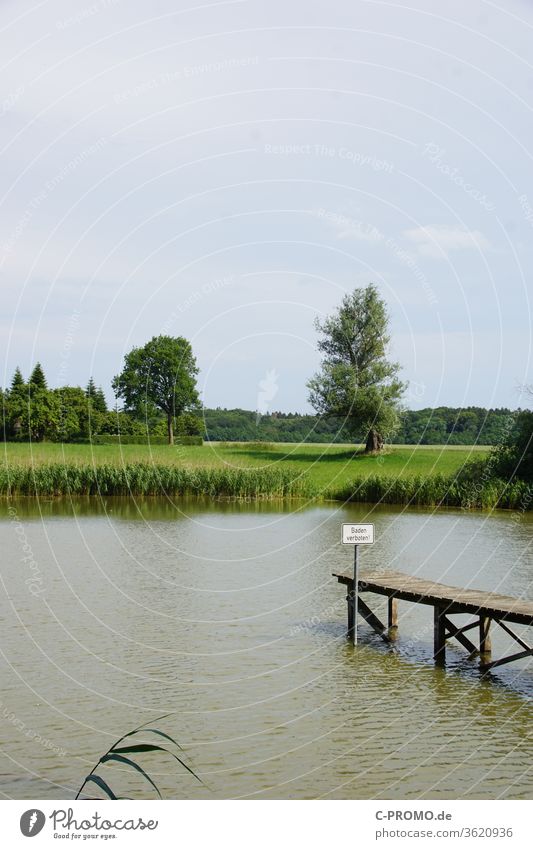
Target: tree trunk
pixel 374 442
pixel 170 429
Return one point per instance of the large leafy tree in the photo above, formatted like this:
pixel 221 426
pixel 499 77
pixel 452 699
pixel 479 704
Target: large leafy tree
pixel 514 458
pixel 357 382
pixel 160 375
pixel 79 416
pixel 42 417
pixel 36 416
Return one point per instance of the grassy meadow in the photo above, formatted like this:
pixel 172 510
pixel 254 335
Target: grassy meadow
pixel 402 474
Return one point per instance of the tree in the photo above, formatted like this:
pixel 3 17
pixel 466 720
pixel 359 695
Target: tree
pixel 79 418
pixel 90 389
pixel 99 401
pixel 117 422
pixel 15 404
pixel 96 396
pixel 40 415
pixel 514 458
pixel 357 383
pixel 37 378
pixel 17 382
pixel 160 375
pixel 188 424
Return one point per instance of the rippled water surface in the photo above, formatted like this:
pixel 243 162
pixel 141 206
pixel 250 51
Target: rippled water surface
pixel 225 616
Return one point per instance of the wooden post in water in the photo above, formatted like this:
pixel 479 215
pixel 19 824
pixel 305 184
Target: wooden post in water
pixel 351 613
pixel 393 615
pixel 439 635
pixel 485 645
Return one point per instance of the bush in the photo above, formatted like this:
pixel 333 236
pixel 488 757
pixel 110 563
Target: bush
pixel 131 439
pixel 515 458
pixel 125 439
pixel 123 424
pixel 188 424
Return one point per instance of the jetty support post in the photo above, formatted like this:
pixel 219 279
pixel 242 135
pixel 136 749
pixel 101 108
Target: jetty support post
pixel 351 610
pixel 392 620
pixel 439 635
pixel 485 645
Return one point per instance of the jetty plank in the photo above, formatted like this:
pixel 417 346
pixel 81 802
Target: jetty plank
pixel 453 599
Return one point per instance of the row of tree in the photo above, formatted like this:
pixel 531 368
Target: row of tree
pixel 32 411
pixel 357 395
pixel 356 383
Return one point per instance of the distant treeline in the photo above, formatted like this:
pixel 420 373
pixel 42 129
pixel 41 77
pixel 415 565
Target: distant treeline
pixel 32 411
pixel 439 426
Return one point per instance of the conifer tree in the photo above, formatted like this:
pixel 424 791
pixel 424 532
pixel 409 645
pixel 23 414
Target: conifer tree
pixel 37 378
pixel 90 389
pixel 17 382
pixel 99 401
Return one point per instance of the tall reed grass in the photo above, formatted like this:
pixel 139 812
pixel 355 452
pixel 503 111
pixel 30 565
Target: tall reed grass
pixel 151 479
pixel 438 491
pixel 469 489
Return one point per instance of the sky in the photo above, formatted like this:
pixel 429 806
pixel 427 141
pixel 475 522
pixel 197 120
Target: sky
pixel 227 171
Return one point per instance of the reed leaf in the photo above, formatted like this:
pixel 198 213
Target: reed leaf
pixel 113 756
pixel 116 754
pixel 101 784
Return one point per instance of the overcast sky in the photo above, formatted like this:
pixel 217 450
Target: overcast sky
pixel 226 171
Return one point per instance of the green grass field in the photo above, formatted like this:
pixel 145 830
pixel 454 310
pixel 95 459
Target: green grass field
pixel 326 467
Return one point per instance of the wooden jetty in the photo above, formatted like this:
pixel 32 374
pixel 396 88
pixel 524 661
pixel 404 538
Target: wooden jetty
pixel 446 602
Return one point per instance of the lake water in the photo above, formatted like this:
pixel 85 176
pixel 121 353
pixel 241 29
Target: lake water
pixel 225 615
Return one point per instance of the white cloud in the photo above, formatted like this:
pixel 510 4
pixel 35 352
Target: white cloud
pixel 439 241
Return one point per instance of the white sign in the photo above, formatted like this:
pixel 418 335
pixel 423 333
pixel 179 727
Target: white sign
pixel 358 534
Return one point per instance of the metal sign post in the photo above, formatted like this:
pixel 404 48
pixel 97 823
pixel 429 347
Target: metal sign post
pixel 355 593
pixel 356 535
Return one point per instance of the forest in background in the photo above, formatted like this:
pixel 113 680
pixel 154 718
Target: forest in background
pixel 439 426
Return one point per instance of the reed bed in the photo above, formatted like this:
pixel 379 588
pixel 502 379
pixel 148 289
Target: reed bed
pixel 151 479
pixel 439 491
pixel 468 488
